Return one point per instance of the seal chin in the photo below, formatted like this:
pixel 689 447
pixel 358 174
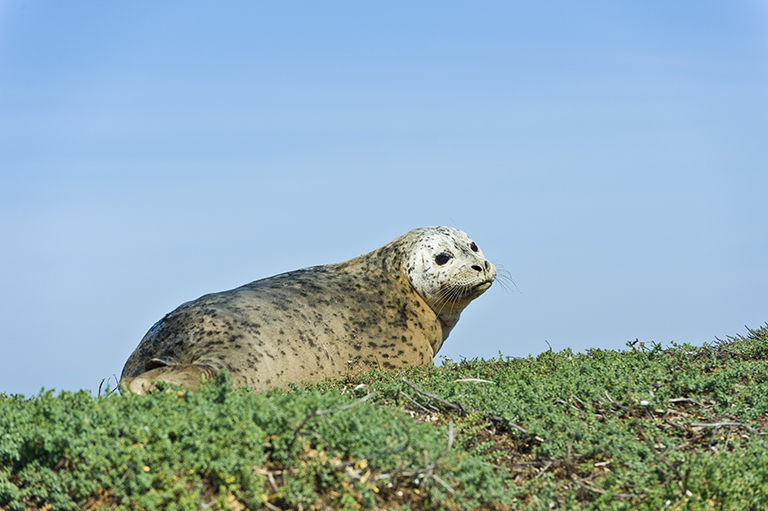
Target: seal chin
pixel 479 289
pixel 482 288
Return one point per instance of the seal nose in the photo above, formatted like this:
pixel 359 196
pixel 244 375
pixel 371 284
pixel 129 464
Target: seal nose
pixel 486 266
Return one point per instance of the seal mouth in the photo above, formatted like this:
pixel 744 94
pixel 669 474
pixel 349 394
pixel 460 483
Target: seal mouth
pixel 470 291
pixel 480 288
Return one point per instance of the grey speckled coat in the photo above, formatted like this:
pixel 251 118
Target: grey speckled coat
pixel 305 325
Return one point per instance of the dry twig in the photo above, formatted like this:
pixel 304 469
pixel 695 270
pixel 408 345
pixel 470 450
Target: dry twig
pixel 461 408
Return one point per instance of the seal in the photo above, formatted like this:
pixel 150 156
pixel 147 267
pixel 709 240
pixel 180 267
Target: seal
pixel 387 309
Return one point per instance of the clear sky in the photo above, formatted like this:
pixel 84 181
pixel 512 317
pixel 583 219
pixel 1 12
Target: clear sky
pixel 611 155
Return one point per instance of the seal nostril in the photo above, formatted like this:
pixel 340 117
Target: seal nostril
pixel 476 267
pixel 487 265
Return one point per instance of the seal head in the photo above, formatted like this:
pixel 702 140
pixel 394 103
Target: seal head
pixel 447 269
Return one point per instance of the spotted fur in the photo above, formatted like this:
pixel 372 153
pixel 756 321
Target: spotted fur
pixel 387 309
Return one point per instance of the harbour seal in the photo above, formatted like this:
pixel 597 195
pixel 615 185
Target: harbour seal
pixel 386 309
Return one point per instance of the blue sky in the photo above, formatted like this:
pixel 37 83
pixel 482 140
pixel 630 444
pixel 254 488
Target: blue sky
pixel 611 156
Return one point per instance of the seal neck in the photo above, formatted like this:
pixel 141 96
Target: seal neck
pixel 447 323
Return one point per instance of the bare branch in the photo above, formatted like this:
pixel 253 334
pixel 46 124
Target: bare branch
pixel 348 406
pixel 463 409
pixel 473 380
pixel 721 424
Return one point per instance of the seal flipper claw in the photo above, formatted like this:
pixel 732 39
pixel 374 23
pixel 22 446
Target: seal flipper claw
pixel 182 375
pixel 157 362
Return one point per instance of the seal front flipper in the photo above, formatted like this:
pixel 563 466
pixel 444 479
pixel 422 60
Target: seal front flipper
pixel 158 362
pixel 183 375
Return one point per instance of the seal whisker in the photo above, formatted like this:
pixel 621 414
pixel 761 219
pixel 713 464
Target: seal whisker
pixel 451 296
pixel 445 297
pixel 504 278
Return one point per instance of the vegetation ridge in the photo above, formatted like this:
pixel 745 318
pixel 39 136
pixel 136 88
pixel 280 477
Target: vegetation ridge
pixel 644 428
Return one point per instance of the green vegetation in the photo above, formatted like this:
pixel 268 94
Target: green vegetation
pixel 647 428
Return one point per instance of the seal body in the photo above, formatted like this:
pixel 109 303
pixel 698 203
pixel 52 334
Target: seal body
pixel 386 309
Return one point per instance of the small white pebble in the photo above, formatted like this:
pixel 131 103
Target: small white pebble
pixel 644 403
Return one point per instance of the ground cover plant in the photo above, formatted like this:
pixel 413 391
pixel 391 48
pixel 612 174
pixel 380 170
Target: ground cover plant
pixel 650 427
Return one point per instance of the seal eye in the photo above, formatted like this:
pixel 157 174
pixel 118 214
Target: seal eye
pixel 473 247
pixel 443 258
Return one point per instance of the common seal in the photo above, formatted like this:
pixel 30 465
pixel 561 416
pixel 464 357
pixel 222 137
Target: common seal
pixel 386 309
